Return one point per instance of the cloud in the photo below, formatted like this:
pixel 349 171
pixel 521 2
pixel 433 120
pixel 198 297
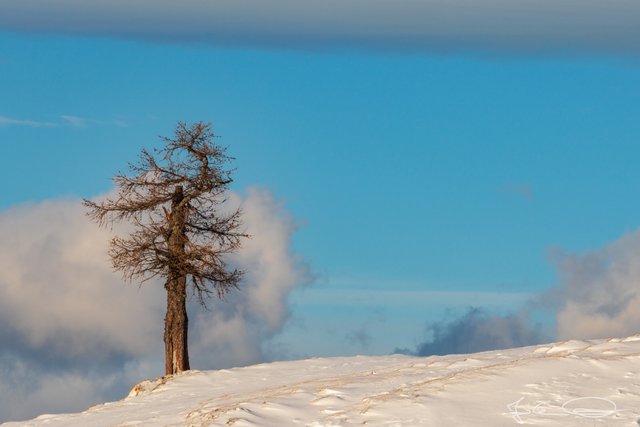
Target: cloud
pixel 596 296
pixel 506 26
pixel 65 120
pixel 83 122
pixel 8 121
pixel 29 387
pixel 57 289
pixel 236 329
pixel 521 190
pixel 478 331
pixel 599 291
pixel 360 337
pixel 64 315
pixel 67 322
pixel 74 121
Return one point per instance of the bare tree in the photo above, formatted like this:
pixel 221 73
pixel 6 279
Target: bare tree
pixel 173 198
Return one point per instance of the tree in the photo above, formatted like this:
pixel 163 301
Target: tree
pixel 173 197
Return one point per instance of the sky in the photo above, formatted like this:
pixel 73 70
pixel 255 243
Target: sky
pixel 412 172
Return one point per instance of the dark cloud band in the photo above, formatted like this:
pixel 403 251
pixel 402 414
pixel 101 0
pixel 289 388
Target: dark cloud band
pixel 503 26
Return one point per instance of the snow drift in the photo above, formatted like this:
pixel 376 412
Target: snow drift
pixel 566 383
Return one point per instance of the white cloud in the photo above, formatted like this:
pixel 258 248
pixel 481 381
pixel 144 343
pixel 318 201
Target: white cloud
pixel 9 121
pixel 83 122
pixel 424 25
pixel 66 120
pixel 600 291
pixel 74 121
pixel 237 327
pixel 57 288
pixel 68 323
pixel 596 297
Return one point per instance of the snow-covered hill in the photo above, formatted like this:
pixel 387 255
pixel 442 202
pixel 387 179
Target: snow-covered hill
pixel 573 383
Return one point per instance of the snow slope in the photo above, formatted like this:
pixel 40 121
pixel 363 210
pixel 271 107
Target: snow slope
pixel 572 383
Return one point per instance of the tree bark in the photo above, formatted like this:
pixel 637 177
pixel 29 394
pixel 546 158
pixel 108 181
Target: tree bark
pixel 176 322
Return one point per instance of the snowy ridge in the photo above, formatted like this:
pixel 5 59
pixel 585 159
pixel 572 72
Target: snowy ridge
pixel 567 383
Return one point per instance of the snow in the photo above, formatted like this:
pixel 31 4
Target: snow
pixel 572 383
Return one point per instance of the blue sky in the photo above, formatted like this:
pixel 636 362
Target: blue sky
pixel 423 180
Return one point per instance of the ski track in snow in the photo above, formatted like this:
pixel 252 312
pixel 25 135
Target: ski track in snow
pixel 597 381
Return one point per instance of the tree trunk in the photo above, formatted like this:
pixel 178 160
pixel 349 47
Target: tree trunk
pixel 176 322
